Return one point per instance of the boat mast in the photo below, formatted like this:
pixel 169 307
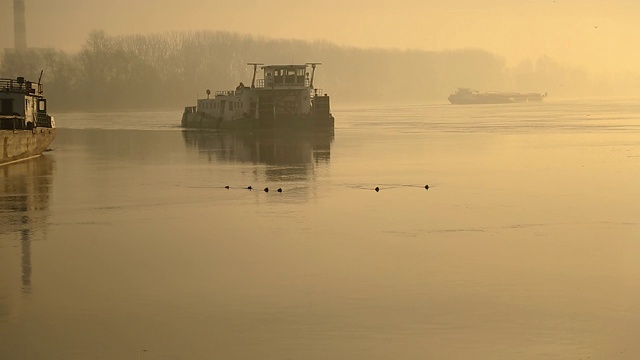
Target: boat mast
pixel 313 72
pixel 255 69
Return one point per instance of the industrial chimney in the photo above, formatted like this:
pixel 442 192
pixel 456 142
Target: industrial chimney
pixel 19 26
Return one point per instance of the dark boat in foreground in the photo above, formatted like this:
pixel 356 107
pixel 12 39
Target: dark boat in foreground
pixel 26 130
pixel 284 97
pixel 467 96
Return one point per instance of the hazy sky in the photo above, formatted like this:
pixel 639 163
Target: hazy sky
pixel 597 35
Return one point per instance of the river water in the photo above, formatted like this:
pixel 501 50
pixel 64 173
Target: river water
pixel 123 242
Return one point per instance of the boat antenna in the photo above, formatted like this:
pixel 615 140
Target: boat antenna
pixel 255 69
pixel 40 78
pixel 313 71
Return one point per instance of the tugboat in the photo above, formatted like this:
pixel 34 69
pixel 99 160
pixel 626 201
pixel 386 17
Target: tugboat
pixel 468 96
pixel 284 97
pixel 26 130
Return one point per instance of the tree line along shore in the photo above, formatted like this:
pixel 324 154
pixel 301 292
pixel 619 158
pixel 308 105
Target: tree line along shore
pixel 169 70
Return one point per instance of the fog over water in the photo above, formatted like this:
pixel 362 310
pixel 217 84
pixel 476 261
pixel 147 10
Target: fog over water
pixel 164 57
pixel 595 35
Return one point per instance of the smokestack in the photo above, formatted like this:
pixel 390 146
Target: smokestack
pixel 19 25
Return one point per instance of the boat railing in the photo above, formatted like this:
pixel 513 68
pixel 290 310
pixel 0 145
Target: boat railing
pixel 190 109
pixel 43 120
pixel 261 83
pixel 19 85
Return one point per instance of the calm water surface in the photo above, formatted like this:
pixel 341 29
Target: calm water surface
pixel 123 243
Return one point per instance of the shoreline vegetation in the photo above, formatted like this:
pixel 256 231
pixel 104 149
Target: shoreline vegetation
pixel 171 70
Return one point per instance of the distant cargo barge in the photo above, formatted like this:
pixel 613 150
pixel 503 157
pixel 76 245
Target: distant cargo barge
pixel 467 96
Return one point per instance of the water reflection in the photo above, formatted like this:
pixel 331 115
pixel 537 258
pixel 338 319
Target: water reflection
pixel 24 205
pixel 288 154
pixel 123 146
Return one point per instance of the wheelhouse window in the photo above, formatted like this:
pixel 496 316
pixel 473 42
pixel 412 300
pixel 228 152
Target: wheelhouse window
pixel 6 106
pixel 291 76
pixel 278 76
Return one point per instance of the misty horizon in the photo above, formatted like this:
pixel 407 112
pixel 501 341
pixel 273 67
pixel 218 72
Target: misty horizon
pixel 410 69
pixel 587 35
pixel 170 70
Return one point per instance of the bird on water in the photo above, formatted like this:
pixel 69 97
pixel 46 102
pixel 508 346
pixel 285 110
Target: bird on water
pixel 279 189
pixel 249 187
pixel 426 187
pixel 377 189
pixel 226 187
pixel 266 189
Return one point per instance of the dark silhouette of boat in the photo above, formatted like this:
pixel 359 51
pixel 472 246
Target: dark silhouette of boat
pixel 285 97
pixel 26 130
pixel 467 96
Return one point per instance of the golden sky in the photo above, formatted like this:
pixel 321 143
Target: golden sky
pixel 599 36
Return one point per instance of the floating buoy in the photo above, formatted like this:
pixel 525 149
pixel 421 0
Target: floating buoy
pixel 377 189
pixel 279 189
pixel 426 187
pixel 226 187
pixel 266 189
pixel 249 187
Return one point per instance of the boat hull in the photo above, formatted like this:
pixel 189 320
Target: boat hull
pixel 200 120
pixel 18 145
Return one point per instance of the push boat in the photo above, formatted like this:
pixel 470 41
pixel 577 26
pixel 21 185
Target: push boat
pixel 284 97
pixel 468 96
pixel 26 129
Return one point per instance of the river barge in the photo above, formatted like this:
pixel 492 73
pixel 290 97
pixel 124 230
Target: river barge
pixel 26 129
pixel 284 97
pixel 467 96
